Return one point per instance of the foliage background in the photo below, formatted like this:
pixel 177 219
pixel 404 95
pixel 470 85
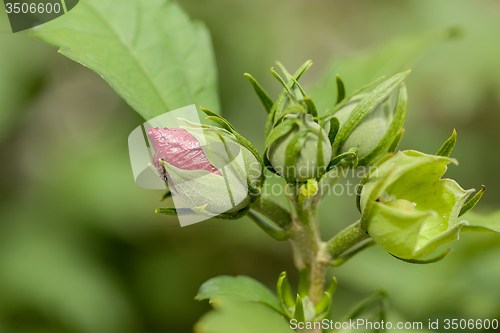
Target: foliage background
pixel 81 249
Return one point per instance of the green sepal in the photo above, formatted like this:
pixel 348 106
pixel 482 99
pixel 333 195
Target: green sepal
pixel 338 261
pixel 297 84
pixel 377 300
pixel 395 143
pixel 326 301
pixel 478 228
pixel 352 155
pixel 291 109
pixel 269 166
pixel 395 126
pixel 293 149
pixel 448 145
pixel 285 295
pixel 277 106
pixel 283 69
pixel 271 229
pixel 325 304
pixel 280 102
pixel 365 178
pixel 266 101
pixel 337 107
pixel 303 287
pixel 285 85
pixel 334 129
pixel 244 142
pixel 472 202
pixel 286 73
pixel 187 211
pixel 426 261
pixel 167 194
pixel 311 108
pixel 298 312
pixel 365 106
pixel 340 89
pixel 283 128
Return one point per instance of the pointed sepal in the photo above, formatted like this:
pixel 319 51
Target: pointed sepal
pixel 266 101
pixel 285 295
pixel 448 145
pixel 472 202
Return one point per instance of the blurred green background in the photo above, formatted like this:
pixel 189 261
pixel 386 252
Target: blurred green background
pixel 81 249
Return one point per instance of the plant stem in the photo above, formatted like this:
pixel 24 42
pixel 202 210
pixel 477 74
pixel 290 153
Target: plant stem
pixel 273 210
pixel 346 239
pixel 311 248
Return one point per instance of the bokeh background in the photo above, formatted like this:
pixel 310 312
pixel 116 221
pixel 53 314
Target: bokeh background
pixel 81 249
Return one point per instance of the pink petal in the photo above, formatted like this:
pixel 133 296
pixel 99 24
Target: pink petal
pixel 178 147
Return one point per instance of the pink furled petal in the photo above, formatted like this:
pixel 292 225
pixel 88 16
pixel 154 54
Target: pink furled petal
pixel 178 147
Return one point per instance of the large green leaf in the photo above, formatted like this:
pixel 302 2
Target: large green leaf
pixel 232 316
pixel 241 288
pixel 150 52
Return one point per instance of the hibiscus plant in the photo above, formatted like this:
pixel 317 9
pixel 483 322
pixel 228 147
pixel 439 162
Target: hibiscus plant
pixel 405 205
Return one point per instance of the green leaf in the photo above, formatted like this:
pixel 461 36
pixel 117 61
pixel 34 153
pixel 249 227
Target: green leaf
pixel 448 146
pixel 150 52
pixel 233 316
pixel 266 101
pixel 365 106
pixel 242 288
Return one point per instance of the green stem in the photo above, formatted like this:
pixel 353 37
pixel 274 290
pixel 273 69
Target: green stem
pixel 346 239
pixel 311 248
pixel 273 210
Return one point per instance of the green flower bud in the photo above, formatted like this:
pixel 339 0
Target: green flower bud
pixel 408 209
pixel 372 128
pixel 298 148
pixel 207 167
pixel 371 123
